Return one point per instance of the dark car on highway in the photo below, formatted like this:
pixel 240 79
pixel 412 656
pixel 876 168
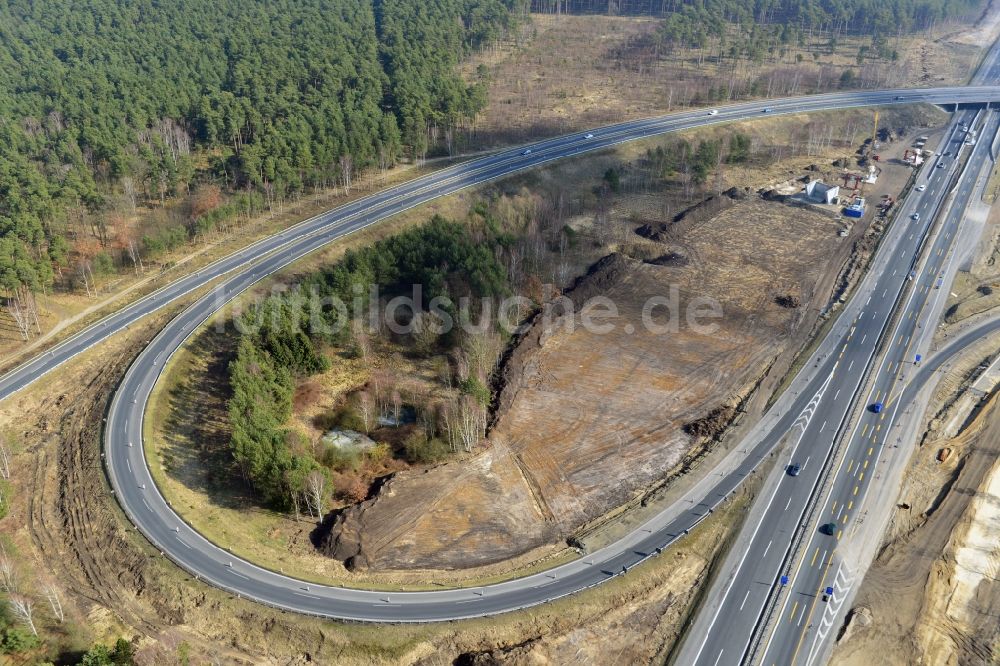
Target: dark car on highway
pixel 794 469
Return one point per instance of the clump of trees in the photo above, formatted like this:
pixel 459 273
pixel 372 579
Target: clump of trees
pixel 284 338
pixel 106 105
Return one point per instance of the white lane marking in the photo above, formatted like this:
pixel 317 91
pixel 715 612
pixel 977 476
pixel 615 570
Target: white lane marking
pixel 863 338
pixel 237 573
pixel 184 543
pixel 835 395
pixel 850 365
pixel 129 464
pixel 719 657
pixel 744 599
pixel 806 462
pixel 822 427
pixel 787 504
pixel 767 549
pixel 756 529
pixel 310 596
pixel 147 505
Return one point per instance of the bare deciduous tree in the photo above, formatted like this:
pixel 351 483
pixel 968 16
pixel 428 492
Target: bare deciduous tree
pixel 362 341
pixel 464 423
pixel 52 596
pixel 128 191
pixel 23 609
pixel 367 409
pixel 346 172
pixel 397 407
pixel 315 493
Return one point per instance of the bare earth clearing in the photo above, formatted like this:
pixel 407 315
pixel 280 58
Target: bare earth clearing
pixel 604 419
pixel 587 420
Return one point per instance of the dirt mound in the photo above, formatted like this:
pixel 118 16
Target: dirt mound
pixel 857 618
pixel 789 301
pixel 514 654
pixel 712 424
pixel 669 259
pixel 681 223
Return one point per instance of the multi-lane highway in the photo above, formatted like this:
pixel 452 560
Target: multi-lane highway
pixel 137 494
pixel 812 567
pixel 781 595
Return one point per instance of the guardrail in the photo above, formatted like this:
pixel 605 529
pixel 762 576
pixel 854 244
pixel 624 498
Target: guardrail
pixel 824 482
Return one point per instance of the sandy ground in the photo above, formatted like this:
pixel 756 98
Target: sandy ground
pixel 591 422
pixel 932 594
pixel 590 419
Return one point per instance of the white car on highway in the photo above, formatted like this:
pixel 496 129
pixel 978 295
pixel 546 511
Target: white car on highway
pixel 921 188
pixel 915 216
pixel 588 136
pixel 526 152
pixel 713 112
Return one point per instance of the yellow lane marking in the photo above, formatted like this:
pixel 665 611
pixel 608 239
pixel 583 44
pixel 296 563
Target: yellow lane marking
pixel 839 532
pixel 833 509
pixel 791 615
pixel 813 563
pixel 845 519
pixel 861 476
pixel 870 449
pixel 864 429
pixel 855 491
pixel 866 464
pixel 849 505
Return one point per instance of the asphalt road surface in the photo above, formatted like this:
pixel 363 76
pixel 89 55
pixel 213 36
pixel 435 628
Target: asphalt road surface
pixel 781 603
pixel 137 494
pixel 821 423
